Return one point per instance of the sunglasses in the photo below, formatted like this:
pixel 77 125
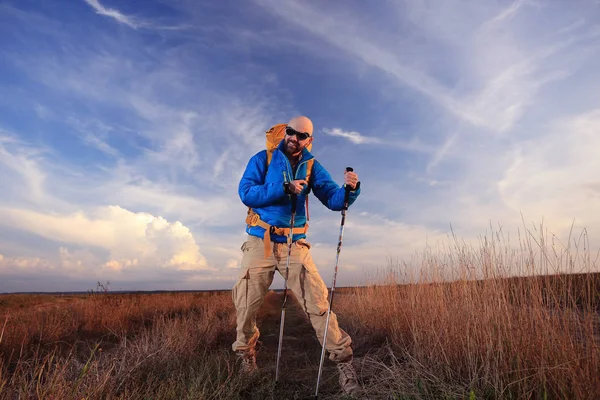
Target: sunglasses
pixel 300 135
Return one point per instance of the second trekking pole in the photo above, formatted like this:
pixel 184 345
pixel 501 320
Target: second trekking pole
pixel 337 258
pixel 287 268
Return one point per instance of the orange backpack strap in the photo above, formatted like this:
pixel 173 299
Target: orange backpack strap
pixel 309 168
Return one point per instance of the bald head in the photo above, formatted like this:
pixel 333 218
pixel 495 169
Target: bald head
pixel 301 124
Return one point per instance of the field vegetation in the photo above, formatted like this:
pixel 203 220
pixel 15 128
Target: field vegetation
pixel 512 324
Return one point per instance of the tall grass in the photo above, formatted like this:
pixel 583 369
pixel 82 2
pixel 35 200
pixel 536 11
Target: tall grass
pixel 120 346
pixel 485 334
pixel 485 321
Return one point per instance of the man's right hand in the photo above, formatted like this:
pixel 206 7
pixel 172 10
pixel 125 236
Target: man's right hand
pixel 297 186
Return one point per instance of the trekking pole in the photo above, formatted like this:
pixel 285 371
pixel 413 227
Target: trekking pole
pixel 287 267
pixel 337 258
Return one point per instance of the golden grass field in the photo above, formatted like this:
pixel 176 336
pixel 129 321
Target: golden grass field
pixel 533 337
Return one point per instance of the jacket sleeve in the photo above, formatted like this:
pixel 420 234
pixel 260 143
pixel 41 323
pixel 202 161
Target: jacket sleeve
pixel 327 191
pixel 253 190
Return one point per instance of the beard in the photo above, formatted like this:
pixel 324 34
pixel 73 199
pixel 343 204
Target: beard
pixel 292 147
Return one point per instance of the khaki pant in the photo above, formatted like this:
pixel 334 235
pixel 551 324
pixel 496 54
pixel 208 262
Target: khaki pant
pixel 304 280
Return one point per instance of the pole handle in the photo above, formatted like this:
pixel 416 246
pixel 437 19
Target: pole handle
pixel 350 169
pixel 347 194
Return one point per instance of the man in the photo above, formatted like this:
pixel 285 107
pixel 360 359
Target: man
pixel 269 192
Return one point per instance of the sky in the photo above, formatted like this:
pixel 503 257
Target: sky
pixel 125 127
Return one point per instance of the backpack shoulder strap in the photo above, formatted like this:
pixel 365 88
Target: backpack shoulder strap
pixel 309 168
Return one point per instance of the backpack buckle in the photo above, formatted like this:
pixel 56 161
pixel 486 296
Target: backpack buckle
pixel 252 219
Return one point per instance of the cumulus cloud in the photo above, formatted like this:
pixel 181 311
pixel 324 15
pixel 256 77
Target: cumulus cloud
pixel 25 264
pixel 118 266
pixel 130 239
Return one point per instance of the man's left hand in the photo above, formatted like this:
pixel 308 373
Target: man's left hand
pixel 350 179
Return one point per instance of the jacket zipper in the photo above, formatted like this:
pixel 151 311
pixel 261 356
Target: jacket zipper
pixel 299 165
pixel 290 169
pixel 289 166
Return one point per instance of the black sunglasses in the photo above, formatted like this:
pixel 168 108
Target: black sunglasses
pixel 300 135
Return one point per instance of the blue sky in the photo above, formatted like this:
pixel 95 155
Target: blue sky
pixel 125 127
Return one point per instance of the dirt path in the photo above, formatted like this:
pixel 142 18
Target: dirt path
pixel 300 353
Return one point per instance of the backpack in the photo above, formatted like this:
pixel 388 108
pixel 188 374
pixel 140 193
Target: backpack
pixel 274 136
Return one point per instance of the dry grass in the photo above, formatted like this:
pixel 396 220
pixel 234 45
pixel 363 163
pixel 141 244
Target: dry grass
pixel 490 337
pixel 482 336
pixel 107 317
pixel 118 346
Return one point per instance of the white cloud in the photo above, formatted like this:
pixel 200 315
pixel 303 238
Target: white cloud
pixel 134 190
pixel 413 145
pixel 493 67
pixel 118 266
pixel 129 238
pixel 371 242
pixel 375 245
pixel 338 31
pixel 354 137
pixel 233 263
pixel 186 160
pixel 25 264
pixel 112 13
pixel 507 13
pixel 22 161
pixel 557 178
pixel 94 133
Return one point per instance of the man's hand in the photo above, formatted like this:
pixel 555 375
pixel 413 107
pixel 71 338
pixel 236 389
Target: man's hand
pixel 350 179
pixel 297 186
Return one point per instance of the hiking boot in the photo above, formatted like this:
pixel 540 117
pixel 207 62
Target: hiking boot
pixel 348 379
pixel 248 360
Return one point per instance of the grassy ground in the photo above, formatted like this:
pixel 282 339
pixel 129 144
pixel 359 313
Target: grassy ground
pixel 159 346
pixel 494 338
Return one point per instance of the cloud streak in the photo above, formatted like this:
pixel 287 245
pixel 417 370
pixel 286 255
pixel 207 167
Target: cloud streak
pixel 113 13
pixel 352 136
pixel 22 161
pixel 337 33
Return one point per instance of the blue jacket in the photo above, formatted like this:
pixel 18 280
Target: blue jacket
pixel 267 197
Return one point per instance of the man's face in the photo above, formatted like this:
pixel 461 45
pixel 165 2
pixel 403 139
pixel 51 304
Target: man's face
pixel 296 141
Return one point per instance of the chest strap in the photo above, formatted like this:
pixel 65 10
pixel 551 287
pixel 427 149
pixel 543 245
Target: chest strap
pixel 253 219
